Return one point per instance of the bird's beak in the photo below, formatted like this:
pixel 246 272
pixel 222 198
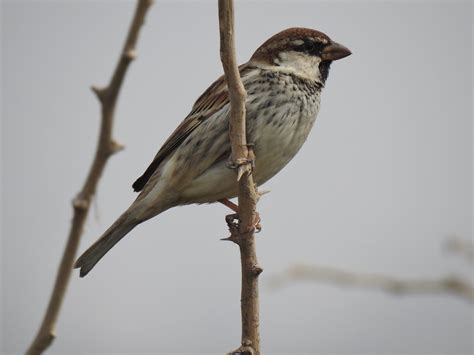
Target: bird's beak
pixel 335 51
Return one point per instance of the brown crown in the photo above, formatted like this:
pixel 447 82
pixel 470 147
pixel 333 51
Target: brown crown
pixel 282 41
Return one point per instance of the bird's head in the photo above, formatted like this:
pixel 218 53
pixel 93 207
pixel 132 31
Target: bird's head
pixel 305 52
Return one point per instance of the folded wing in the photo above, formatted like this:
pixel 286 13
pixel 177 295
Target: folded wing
pixel 210 102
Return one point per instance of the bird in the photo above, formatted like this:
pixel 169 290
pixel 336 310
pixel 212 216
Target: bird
pixel 283 80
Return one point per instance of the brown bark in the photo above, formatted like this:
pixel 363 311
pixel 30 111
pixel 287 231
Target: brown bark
pixel 106 147
pixel 242 231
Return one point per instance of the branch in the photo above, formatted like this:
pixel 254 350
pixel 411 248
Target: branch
pixel 106 147
pixel 242 230
pixel 450 284
pixel 462 247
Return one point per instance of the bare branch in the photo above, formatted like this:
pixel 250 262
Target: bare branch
pixel 450 284
pixel 462 247
pixel 242 232
pixel 105 148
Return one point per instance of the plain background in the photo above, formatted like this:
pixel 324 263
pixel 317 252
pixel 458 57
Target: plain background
pixel 383 180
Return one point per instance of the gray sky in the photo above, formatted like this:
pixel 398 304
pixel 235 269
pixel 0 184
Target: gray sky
pixel 384 178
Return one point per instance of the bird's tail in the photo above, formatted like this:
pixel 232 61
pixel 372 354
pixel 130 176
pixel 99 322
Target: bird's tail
pixel 111 236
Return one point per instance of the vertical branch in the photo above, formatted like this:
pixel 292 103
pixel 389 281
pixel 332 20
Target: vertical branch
pixel 242 233
pixel 106 147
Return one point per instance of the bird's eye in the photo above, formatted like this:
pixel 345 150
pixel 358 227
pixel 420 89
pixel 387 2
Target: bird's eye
pixel 309 45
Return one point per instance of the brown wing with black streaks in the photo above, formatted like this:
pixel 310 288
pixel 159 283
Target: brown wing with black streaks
pixel 210 102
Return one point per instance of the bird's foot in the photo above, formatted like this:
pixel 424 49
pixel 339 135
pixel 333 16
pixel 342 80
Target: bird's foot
pixel 233 221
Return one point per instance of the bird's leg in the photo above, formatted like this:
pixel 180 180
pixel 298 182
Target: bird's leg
pixel 235 208
pixel 230 204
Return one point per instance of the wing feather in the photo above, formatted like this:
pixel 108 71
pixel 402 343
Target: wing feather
pixel 211 101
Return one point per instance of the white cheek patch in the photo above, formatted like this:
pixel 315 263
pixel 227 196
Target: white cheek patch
pixel 301 64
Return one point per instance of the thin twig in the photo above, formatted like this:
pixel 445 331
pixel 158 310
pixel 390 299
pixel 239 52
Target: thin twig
pixel 106 147
pixel 451 284
pixel 243 232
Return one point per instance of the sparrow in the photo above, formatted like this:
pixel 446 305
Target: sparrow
pixel 283 79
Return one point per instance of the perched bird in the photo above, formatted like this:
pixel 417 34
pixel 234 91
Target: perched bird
pixel 283 80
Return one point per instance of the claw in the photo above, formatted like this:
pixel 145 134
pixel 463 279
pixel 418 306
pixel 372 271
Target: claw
pixel 232 220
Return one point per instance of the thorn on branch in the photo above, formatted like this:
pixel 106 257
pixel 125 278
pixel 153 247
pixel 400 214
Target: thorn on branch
pixel 243 169
pixel 231 238
pixel 243 166
pixel 257 270
pixel 100 92
pixel 115 147
pixel 262 192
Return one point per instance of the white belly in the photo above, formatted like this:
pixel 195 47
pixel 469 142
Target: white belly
pixel 278 124
pixel 275 144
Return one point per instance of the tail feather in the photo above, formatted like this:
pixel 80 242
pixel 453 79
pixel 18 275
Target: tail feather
pixel 96 251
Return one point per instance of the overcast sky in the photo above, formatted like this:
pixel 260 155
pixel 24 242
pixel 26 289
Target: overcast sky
pixel 384 178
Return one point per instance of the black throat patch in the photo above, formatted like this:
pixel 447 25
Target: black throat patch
pixel 324 69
